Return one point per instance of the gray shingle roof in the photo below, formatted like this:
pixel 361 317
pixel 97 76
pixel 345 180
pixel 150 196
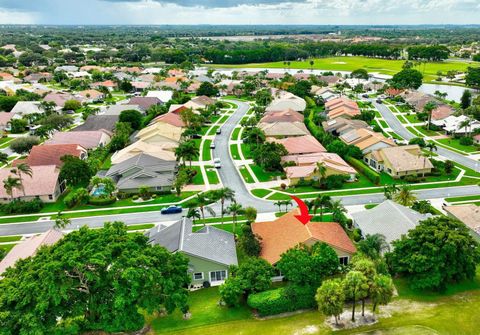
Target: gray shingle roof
pixel 389 219
pixel 97 122
pixel 209 242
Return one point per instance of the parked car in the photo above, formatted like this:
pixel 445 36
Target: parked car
pixel 216 163
pixel 365 95
pixel 219 131
pixel 171 210
pixel 212 145
pixel 379 101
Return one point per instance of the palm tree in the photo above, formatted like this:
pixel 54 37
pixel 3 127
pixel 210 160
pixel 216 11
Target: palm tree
pixel 431 147
pixel 466 124
pixel 311 64
pixel 390 190
pixel 10 184
pixel 321 202
pixel 287 203
pixel 428 108
pixel 193 213
pixel 279 204
pixel 187 151
pixel 405 196
pixel 202 201
pixel 223 194
pixel 322 170
pixel 337 210
pixel 3 158
pixel 373 246
pixel 61 221
pixel 234 209
pixel 23 168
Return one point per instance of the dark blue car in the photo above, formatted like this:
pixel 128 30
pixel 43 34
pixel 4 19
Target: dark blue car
pixel 171 210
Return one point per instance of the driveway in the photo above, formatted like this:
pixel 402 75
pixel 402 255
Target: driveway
pixel 400 129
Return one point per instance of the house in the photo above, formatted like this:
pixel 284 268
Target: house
pixel 43 184
pixel 29 248
pixel 161 132
pixel 287 232
pixel 454 124
pixel 418 100
pixel 341 125
pixel 393 92
pixel 366 140
pixel 469 214
pixel 90 96
pixel 143 170
pixel 118 109
pixel 326 93
pixel 176 73
pixel 165 151
pixel 24 108
pixel 287 115
pixel 88 139
pixel 476 139
pixel 164 96
pixel 200 102
pixel 140 85
pixel 389 219
pixel 210 251
pixel 300 145
pixel 341 107
pixel 283 129
pixel 35 78
pixel 145 103
pixel 5 118
pixel 4 76
pixel 59 98
pixel 66 68
pixel 306 167
pixel 98 122
pixel 51 154
pixel 399 161
pixel 441 112
pixel 330 80
pixel 109 84
pixel 283 100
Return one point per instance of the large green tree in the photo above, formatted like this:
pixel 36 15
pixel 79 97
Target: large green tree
pixel 407 78
pixel 133 117
pixel 356 288
pixel 437 252
pixel 472 78
pixel 330 298
pixel 75 171
pixel 92 279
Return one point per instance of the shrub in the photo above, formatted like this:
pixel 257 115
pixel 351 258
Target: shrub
pixel 358 165
pixel 79 196
pixel 22 145
pixel 23 207
pixel 466 141
pixel 102 201
pixel 281 300
pixel 357 235
pixel 335 181
pixel 135 197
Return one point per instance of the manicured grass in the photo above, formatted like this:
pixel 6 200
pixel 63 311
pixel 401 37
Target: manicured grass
pixel 246 175
pixel 455 143
pixel 412 117
pixel 206 152
pixel 383 124
pixel 426 131
pixel 223 119
pixel 212 175
pixel 234 151
pixel 7 247
pixel 198 178
pixel 350 63
pixel 263 175
pixel 370 206
pixel 260 192
pixel 212 131
pixel 197 142
pixel 460 199
pixel 247 154
pixel 235 133
pixel 107 163
pixel 140 226
pixel 10 238
pixel 218 219
pixel 395 135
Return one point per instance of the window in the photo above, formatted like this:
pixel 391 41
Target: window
pixel 218 275
pixel 198 276
pixel 50 197
pixel 343 260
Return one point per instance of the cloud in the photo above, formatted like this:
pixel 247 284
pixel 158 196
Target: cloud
pixel 214 3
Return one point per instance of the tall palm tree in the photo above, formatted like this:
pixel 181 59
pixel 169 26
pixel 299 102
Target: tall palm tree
pixel 193 213
pixel 23 168
pixel 466 124
pixel 202 201
pixel 287 203
pixel 405 196
pixel 373 246
pixel 337 210
pixel 223 194
pixel 3 158
pixel 234 209
pixel 428 108
pixel 321 202
pixel 322 170
pixel 10 184
pixel 279 204
pixel 187 151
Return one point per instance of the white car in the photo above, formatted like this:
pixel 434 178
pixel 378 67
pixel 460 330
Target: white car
pixel 212 145
pixel 216 163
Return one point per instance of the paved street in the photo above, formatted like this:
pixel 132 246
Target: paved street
pixel 400 129
pixel 231 178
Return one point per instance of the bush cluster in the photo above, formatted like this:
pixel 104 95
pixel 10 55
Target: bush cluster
pixel 358 165
pixel 23 207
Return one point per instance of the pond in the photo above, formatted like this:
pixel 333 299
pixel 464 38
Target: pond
pixel 453 92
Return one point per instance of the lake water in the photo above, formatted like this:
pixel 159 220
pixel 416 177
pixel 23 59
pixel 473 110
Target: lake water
pixel 453 92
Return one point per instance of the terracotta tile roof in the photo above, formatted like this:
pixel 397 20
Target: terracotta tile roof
pixel 339 102
pixel 404 158
pixel 284 128
pixel 5 117
pixel 364 138
pixel 106 83
pixel 288 115
pixel 50 154
pixel 172 118
pixel 442 112
pixel 306 144
pixel 90 94
pixel 469 214
pixel 287 232
pixel 343 110
pixel 330 160
pixel 29 248
pixel 393 91
pixel 43 181
pixel 88 139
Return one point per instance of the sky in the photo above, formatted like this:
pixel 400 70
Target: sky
pixel 321 12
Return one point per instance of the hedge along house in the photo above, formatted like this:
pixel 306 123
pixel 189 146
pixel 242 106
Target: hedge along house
pixel 210 251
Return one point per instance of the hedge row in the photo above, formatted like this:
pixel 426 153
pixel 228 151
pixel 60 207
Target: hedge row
pixel 285 299
pixel 101 201
pixel 358 165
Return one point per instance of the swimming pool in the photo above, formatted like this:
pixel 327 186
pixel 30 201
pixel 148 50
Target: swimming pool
pixel 98 191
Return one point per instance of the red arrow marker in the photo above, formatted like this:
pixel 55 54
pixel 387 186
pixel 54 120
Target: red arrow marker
pixel 304 217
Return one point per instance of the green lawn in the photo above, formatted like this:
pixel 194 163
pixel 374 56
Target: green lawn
pixel 395 135
pixel 460 199
pixel 455 144
pixel 7 247
pixel 426 131
pixel 350 63
pixel 10 238
pixel 234 151
pixel 247 153
pixel 412 117
pixel 223 119
pixel 235 133
pixel 197 142
pixel 212 175
pixel 198 179
pixel 246 175
pixel 263 175
pixel 143 226
pixel 206 152
pixel 260 192
pixel 213 130
pixel 383 124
